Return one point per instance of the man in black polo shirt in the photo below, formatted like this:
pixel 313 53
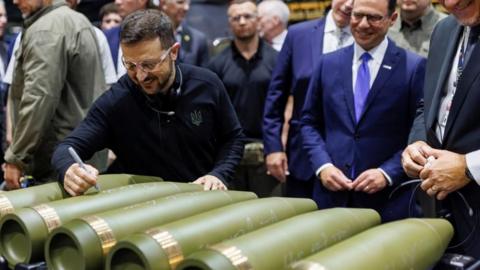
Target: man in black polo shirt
pixel 161 119
pixel 245 68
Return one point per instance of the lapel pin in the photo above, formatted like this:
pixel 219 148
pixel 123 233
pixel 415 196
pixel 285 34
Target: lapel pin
pixel 387 67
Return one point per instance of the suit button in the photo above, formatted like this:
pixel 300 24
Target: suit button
pixel 348 166
pixel 356 136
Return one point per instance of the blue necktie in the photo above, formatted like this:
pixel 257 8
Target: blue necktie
pixel 362 85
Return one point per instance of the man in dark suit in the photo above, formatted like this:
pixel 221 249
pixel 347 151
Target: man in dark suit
pixel 445 149
pixel 358 112
pixel 193 43
pixel 303 46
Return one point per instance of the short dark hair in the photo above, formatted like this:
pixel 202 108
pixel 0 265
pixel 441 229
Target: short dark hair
pixel 392 4
pixel 147 24
pixel 107 9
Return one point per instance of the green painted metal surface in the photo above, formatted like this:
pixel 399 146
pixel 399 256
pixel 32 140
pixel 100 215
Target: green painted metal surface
pixel 145 250
pixel 32 224
pixel 83 244
pixel 400 245
pixel 278 245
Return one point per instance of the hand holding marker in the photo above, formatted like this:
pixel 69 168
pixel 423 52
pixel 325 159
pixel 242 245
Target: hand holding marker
pixel 78 160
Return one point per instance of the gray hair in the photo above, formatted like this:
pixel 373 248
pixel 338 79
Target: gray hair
pixel 276 8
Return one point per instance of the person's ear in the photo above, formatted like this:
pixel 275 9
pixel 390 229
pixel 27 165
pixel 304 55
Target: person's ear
pixel 393 18
pixel 174 51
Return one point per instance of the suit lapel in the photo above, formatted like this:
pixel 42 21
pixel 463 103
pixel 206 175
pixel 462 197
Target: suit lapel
pixel 443 76
pixel 471 71
pixel 317 40
pixel 385 72
pixel 346 63
pixel 186 39
pixel 185 42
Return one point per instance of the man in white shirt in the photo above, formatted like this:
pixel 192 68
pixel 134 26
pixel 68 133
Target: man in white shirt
pixel 273 22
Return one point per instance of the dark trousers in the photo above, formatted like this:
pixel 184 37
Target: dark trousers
pixel 465 218
pixel 299 188
pixel 254 178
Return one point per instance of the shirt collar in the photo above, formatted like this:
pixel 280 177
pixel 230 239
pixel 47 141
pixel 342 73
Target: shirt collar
pixel 236 53
pixel 331 27
pixel 42 11
pixel 377 52
pixel 280 37
pixel 179 29
pixel 414 26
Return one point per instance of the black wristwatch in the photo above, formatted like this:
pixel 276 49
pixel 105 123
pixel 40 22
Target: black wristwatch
pixel 468 174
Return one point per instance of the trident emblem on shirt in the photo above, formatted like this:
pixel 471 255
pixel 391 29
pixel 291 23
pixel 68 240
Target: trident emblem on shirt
pixel 196 117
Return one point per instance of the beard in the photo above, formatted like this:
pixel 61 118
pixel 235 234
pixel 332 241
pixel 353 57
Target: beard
pixel 164 85
pixel 157 83
pixel 246 37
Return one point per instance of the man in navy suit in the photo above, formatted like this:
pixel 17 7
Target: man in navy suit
pixel 360 106
pixel 193 43
pixel 445 149
pixel 303 46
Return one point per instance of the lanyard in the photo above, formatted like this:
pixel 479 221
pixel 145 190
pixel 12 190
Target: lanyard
pixel 460 66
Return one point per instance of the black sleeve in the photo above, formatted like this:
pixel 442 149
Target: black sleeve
pixel 230 137
pixel 203 52
pixel 87 138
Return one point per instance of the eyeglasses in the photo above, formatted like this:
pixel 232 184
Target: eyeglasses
pixel 147 65
pixel 247 17
pixel 371 19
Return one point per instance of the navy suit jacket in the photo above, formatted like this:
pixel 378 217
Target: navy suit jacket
pixel 113 38
pixel 301 50
pixel 462 132
pixel 194 47
pixel 331 134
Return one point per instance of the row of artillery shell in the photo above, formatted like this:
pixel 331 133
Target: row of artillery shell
pixel 166 225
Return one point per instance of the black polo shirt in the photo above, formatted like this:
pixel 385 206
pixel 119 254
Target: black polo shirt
pixel 247 83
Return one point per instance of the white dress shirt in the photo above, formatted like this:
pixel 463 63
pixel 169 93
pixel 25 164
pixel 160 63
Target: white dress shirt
pixel 332 34
pixel 107 61
pixel 8 78
pixel 277 42
pixel 374 64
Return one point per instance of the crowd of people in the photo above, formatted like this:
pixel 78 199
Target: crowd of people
pixel 345 109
